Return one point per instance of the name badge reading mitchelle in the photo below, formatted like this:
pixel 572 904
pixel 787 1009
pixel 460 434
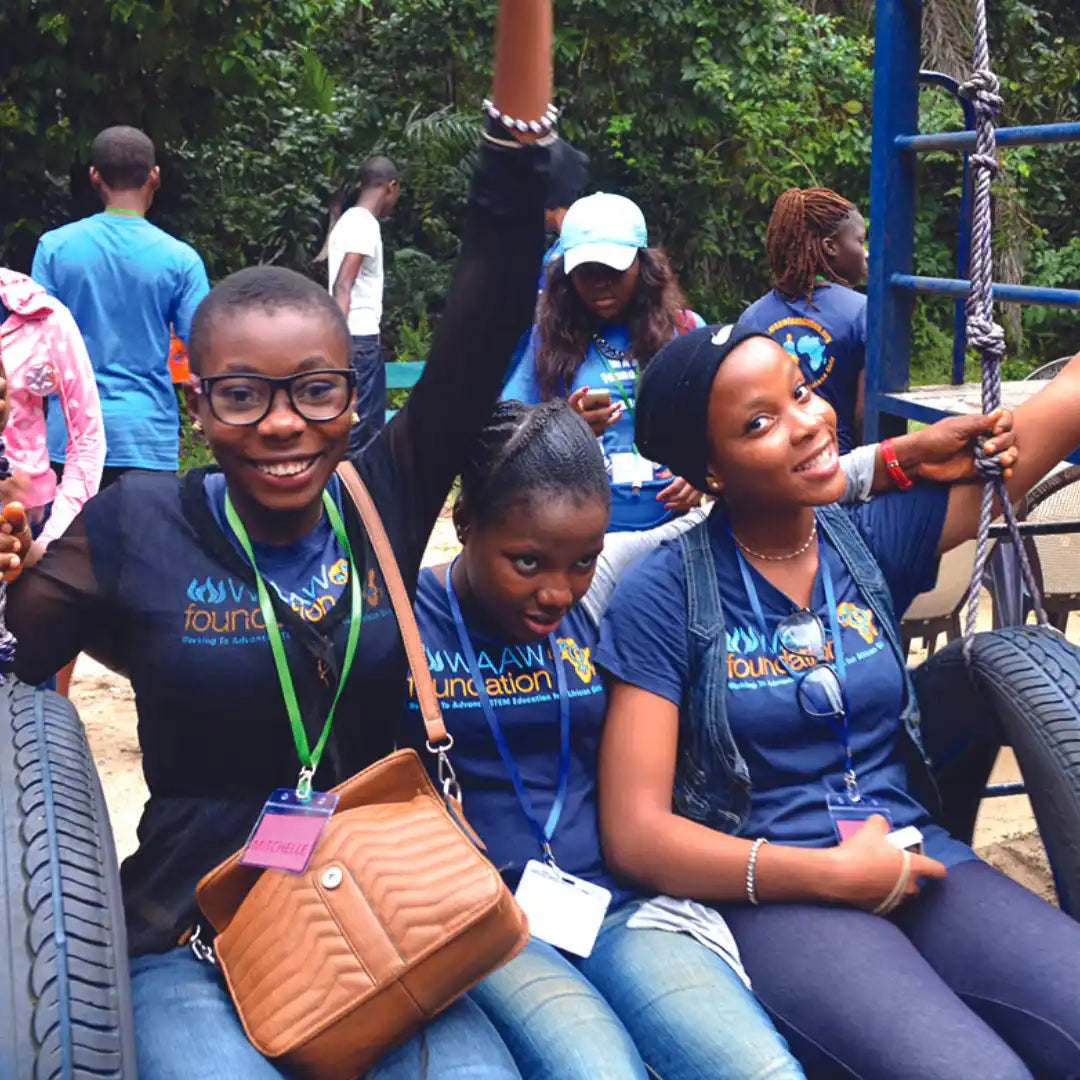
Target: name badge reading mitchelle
pixel 288 830
pixel 630 468
pixel 562 909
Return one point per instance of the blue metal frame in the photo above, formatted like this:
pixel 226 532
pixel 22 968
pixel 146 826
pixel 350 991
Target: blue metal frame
pixel 1040 295
pixel 963 245
pixel 1029 135
pixel 897 29
pixel 893 283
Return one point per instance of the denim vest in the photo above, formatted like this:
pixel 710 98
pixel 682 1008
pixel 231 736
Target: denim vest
pixel 712 780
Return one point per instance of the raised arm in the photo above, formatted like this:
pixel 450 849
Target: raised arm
pixel 493 294
pixel 1047 428
pixel 942 452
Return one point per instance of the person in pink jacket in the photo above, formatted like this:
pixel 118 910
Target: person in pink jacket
pixel 42 353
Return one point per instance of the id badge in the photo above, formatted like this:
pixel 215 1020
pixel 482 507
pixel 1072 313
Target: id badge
pixel 631 468
pixel 848 815
pixel 562 909
pixel 288 830
pixel 623 468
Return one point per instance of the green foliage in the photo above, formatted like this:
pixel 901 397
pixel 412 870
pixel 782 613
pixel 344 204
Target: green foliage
pixel 702 110
pixel 194 451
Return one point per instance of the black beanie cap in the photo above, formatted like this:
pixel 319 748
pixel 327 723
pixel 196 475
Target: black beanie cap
pixel 671 408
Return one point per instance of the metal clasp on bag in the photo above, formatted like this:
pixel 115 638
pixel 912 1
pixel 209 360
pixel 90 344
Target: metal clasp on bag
pixel 448 780
pixel 203 950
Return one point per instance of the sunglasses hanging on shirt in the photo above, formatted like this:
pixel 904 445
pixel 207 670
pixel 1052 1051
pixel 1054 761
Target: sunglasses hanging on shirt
pixel 819 688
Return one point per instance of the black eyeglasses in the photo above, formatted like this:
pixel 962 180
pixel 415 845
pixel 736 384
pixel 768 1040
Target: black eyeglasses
pixel 818 689
pixel 241 400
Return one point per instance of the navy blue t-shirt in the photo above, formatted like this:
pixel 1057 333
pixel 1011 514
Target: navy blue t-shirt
pixel 792 758
pixel 309 575
pixel 521 682
pixel 827 338
pixel 634 505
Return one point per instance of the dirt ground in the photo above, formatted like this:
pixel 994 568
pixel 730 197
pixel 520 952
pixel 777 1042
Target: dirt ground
pixel 1006 834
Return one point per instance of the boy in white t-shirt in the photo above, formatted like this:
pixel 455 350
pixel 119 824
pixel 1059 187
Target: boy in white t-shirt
pixel 356 283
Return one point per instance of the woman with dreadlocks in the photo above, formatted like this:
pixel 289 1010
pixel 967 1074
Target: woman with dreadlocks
pixel 817 252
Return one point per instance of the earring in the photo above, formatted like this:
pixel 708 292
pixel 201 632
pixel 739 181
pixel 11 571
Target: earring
pixel 196 426
pixel 355 417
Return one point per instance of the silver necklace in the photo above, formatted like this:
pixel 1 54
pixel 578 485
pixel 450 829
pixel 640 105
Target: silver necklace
pixel 780 558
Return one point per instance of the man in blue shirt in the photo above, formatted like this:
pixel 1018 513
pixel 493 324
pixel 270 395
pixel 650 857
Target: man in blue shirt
pixel 125 281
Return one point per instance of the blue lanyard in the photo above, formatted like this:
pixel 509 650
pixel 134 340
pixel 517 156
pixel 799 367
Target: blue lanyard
pixel 841 730
pixel 547 831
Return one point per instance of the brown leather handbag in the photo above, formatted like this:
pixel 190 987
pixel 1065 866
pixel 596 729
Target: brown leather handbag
pixel 396 916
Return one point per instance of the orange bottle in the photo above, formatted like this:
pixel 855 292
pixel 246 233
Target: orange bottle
pixel 179 367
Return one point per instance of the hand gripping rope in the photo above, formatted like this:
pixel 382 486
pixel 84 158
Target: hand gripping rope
pixel 982 332
pixel 7 638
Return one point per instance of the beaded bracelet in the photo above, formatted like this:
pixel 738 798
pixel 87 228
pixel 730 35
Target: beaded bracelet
pixel 751 867
pixel 537 127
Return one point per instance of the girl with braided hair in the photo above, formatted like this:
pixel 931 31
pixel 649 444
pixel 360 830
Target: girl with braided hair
pixel 511 634
pixel 817 252
pixel 510 648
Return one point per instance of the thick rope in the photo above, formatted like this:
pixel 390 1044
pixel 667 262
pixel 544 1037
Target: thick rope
pixel 982 332
pixel 7 638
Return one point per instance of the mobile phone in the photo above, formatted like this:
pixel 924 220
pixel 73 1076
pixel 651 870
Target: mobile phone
pixel 594 399
pixel 909 838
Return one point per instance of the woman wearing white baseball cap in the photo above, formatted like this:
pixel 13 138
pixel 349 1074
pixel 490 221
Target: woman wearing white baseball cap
pixel 610 303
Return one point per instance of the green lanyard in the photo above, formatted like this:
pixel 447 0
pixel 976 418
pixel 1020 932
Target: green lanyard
pixel 122 211
pixel 309 758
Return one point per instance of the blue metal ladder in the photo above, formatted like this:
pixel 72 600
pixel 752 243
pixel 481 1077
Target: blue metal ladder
pixel 893 284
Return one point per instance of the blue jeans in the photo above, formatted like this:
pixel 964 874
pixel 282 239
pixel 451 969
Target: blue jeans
pixel 367 362
pixel 646 1002
pixel 977 978
pixel 186 1028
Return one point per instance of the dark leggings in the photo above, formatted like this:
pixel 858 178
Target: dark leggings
pixel 976 979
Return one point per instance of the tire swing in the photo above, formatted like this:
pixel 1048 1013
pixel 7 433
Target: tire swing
pixel 1020 685
pixel 65 996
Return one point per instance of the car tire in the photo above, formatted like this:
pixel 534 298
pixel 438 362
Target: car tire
pixel 1022 689
pixel 65 995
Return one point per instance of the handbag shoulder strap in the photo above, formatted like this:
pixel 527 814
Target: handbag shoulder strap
pixel 399 599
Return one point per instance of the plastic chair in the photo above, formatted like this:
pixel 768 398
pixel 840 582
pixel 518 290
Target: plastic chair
pixel 1003 577
pixel 1056 558
pixel 938 611
pixel 1048 371
pixel 1012 605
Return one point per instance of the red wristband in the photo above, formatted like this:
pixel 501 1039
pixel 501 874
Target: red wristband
pixel 899 477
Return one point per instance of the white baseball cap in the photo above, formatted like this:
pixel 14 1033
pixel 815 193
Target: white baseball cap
pixel 603 228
